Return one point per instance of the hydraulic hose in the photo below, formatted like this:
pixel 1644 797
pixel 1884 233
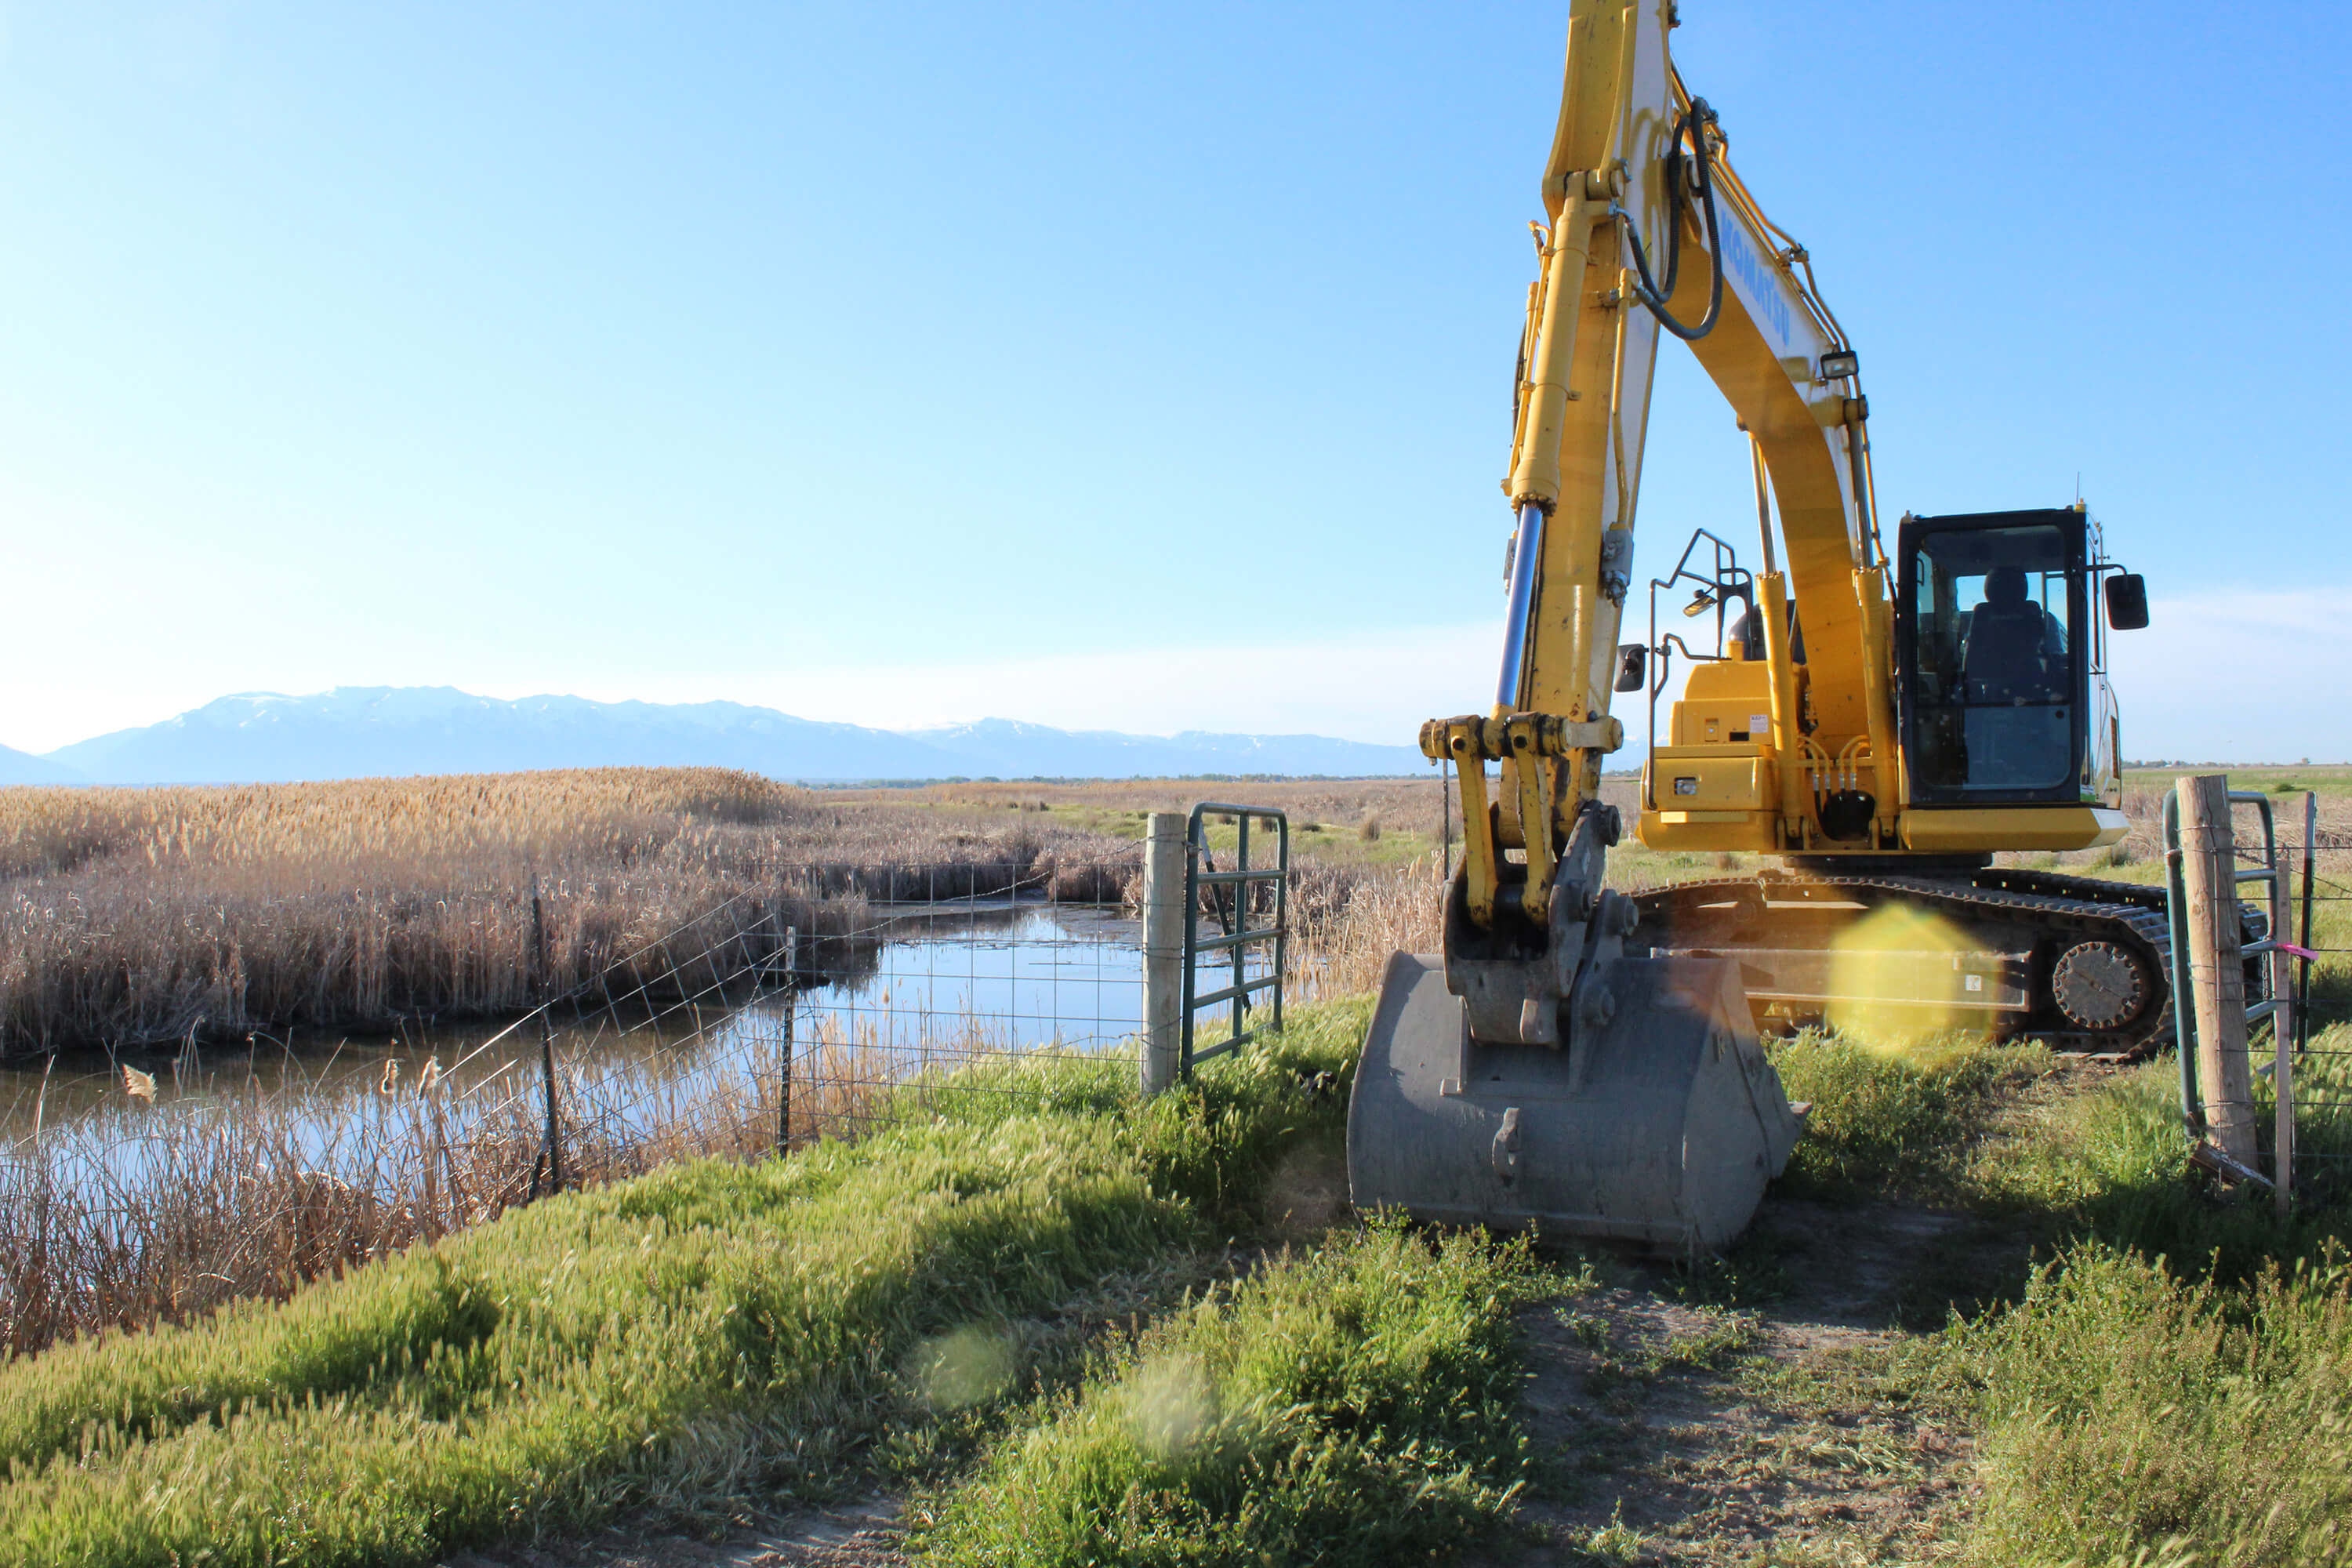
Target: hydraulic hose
pixel 1649 289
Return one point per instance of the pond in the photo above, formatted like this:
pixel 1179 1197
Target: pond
pixel 978 978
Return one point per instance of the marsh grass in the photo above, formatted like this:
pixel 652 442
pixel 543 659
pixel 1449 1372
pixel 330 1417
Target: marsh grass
pixel 134 918
pixel 141 917
pixel 1346 923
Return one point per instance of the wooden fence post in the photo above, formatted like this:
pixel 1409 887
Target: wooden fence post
pixel 1163 949
pixel 2217 970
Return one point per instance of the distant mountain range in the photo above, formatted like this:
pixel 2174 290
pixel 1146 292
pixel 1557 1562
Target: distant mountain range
pixel 375 730
pixel 23 767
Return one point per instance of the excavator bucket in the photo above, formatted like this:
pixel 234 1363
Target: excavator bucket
pixel 1658 1124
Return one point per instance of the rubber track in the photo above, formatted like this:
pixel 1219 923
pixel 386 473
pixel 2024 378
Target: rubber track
pixel 2070 908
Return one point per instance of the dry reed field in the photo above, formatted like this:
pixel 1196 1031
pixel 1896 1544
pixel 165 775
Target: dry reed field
pixel 1333 821
pixel 133 918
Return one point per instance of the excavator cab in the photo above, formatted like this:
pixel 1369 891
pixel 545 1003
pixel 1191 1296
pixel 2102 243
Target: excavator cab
pixel 2002 691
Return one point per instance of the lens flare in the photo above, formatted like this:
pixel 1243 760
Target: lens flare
pixel 1168 1403
pixel 1900 977
pixel 971 1364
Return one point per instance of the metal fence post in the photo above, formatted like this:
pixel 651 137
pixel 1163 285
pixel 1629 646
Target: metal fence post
pixel 784 1052
pixel 2216 967
pixel 2282 1021
pixel 1241 924
pixel 546 1040
pixel 2302 966
pixel 1163 949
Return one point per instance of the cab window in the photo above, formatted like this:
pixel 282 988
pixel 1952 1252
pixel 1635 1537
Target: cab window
pixel 1993 689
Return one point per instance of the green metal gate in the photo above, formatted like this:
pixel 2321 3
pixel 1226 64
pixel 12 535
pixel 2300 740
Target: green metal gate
pixel 1229 898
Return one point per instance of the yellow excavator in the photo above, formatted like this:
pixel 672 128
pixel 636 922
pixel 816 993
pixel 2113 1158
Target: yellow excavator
pixel 1586 1061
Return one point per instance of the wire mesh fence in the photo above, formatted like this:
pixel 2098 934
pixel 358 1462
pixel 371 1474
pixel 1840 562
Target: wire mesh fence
pixel 733 1032
pixel 128 1197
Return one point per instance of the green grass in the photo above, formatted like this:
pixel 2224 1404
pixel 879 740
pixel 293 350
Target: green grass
pixel 2126 1409
pixel 701 1334
pixel 2322 778
pixel 1350 1407
pixel 2172 1388
pixel 1890 1122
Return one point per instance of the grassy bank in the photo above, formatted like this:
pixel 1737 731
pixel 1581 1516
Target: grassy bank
pixel 709 1329
pixel 718 1336
pixel 1354 1405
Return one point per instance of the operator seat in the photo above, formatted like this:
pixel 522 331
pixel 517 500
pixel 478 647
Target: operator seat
pixel 2009 641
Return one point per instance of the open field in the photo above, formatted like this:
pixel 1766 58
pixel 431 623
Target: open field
pixel 1989 1316
pixel 1334 822
pixel 136 918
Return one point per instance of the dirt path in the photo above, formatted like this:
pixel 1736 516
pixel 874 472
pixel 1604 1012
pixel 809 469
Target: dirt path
pixel 857 1535
pixel 1663 1429
pixel 1798 1430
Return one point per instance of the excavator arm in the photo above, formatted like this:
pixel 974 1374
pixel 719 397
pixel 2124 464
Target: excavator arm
pixel 1539 1073
pixel 1651 233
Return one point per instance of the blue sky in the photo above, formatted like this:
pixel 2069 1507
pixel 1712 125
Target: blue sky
pixel 909 363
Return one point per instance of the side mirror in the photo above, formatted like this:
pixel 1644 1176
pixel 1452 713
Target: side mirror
pixel 2126 601
pixel 1632 666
